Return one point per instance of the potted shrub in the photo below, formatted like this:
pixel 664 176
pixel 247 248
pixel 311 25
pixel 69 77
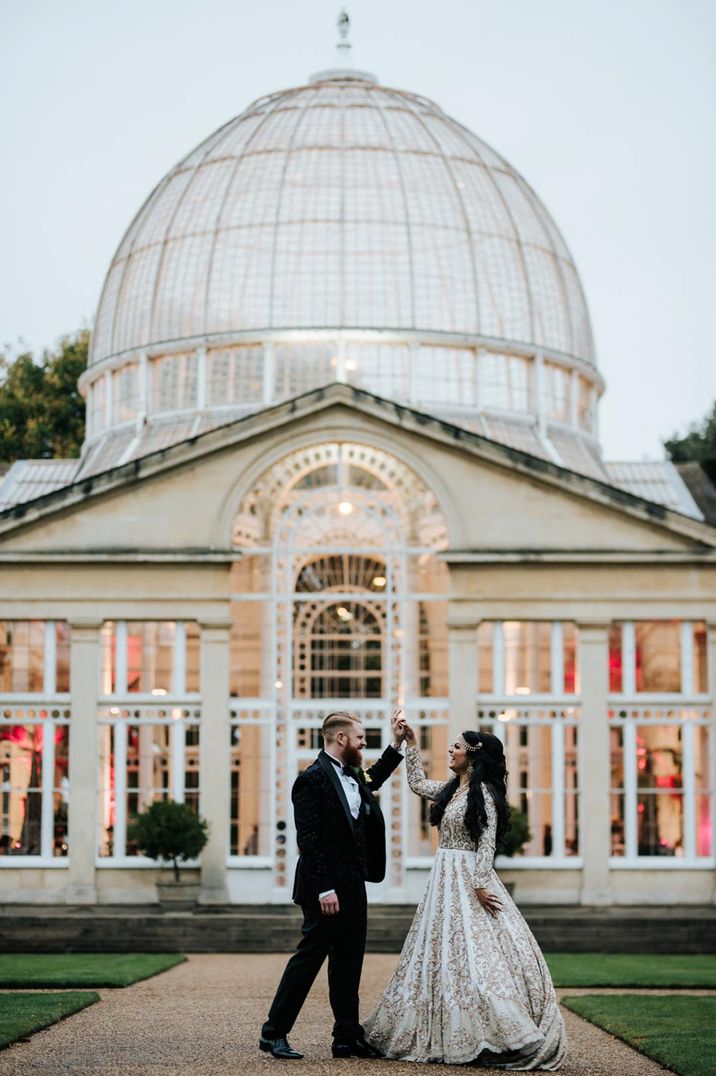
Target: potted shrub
pixel 171 832
pixel 512 842
pixel 517 836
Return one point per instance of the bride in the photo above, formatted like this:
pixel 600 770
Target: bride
pixel 471 982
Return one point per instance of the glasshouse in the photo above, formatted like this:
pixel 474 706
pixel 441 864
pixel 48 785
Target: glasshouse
pixel 342 452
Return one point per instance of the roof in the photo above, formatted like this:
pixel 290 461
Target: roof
pixel 28 479
pixel 342 203
pixel 655 480
pixel 188 452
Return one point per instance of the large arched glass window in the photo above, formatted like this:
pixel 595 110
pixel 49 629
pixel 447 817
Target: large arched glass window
pixel 339 602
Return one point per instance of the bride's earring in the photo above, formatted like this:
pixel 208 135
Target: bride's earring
pixel 470 769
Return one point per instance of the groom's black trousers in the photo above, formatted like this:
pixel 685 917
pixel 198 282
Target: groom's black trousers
pixel 339 937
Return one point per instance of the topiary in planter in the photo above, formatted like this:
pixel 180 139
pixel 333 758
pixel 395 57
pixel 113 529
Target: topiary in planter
pixel 517 836
pixel 170 831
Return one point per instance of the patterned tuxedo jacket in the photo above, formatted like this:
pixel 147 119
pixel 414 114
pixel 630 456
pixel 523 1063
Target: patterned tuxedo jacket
pixel 335 853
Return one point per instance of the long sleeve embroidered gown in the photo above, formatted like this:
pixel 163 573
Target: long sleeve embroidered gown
pixel 467 982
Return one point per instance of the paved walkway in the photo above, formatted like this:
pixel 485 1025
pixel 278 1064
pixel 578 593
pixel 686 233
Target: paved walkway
pixel 202 1018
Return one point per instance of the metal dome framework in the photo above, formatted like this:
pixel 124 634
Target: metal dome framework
pixel 343 231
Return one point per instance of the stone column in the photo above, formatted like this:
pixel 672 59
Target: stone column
pixel 594 765
pixel 214 756
pixel 462 650
pixel 83 761
pixel 711 688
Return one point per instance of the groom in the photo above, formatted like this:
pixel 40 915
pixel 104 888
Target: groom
pixel 341 840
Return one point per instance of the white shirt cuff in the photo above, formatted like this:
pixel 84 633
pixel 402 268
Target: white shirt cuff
pixel 328 893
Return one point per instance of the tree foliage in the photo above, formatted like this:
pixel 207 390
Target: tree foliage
pixel 42 413
pixel 170 831
pixel 698 444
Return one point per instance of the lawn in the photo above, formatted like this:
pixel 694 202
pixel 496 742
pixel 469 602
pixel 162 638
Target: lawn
pixel 633 970
pixel 676 1031
pixel 53 970
pixel 23 1014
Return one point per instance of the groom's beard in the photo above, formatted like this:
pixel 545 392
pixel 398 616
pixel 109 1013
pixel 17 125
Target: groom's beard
pixel 353 756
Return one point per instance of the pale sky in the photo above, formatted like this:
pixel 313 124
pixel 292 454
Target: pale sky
pixel 605 106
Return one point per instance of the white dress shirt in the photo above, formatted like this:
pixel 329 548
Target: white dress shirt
pixel 352 793
pixel 350 786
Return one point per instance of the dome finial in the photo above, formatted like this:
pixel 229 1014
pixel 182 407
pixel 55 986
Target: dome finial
pixel 343 48
pixel 344 69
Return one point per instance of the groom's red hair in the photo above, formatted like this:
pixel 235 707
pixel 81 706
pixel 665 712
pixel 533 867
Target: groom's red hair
pixel 340 721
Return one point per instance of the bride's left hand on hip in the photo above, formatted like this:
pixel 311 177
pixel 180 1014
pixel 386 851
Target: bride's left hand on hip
pixel 489 901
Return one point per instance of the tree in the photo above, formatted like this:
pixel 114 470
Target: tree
pixel 170 831
pixel 42 413
pixel 697 445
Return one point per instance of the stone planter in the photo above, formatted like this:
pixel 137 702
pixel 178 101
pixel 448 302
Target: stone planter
pixel 179 896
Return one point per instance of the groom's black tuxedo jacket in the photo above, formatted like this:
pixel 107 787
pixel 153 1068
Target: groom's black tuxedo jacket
pixel 336 852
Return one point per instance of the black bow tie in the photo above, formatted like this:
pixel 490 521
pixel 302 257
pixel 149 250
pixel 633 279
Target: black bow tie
pixel 347 772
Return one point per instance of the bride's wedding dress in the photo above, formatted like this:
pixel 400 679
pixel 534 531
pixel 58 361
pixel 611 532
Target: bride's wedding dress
pixel 467 982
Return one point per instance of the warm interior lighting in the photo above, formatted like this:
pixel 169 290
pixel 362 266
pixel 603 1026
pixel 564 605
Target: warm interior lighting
pixel 345 508
pixel 522 691
pixel 277 684
pixel 334 362
pixel 343 613
pixel 351 364
pixel 503 717
pixel 158 691
pixel 379 581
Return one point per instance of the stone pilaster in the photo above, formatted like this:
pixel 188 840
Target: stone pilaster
pixel 214 757
pixel 462 652
pixel 594 765
pixel 83 762
pixel 711 688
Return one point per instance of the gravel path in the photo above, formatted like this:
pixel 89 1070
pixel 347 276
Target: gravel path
pixel 203 1019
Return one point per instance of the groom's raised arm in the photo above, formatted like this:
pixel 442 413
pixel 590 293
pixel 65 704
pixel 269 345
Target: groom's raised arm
pixel 381 770
pixel 305 796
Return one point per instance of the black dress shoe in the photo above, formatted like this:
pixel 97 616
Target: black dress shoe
pixel 279 1048
pixel 356 1048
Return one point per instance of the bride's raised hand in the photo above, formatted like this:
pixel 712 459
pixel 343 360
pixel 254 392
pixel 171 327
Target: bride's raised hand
pixel 489 901
pixel 409 732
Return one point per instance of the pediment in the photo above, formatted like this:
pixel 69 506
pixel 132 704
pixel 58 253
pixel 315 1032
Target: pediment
pixel 494 498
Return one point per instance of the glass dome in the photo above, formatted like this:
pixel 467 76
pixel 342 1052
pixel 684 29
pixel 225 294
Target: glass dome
pixel 343 231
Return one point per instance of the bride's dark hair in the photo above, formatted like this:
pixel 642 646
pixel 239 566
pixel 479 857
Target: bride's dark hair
pixel 489 767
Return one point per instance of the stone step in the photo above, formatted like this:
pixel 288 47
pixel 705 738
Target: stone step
pixel 276 928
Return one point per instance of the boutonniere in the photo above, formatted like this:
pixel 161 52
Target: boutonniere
pixel 361 776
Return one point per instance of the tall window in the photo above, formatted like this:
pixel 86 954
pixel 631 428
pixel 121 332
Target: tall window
pixel 34 657
pixel 446 376
pixel 253 781
pixel 34 786
pixel 339 651
pixel 150 657
pixel 234 375
pixel 557 392
pixel 146 753
pixel 125 393
pixel 504 382
pixel 149 725
pixel 661 794
pixel 516 660
pixel 175 382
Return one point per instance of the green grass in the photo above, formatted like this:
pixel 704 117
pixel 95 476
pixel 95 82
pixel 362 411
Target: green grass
pixel 633 970
pixel 23 1014
pixel 675 1030
pixel 82 969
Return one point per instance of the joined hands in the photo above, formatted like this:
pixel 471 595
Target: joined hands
pixel 402 730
